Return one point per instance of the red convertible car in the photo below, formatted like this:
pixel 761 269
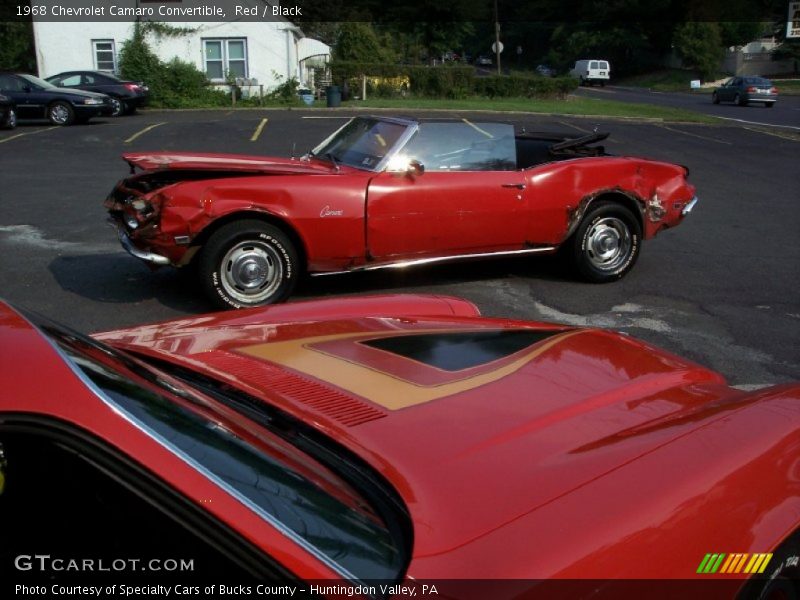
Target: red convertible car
pixel 394 439
pixel 385 192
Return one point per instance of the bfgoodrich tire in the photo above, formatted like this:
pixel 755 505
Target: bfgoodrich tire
pixel 248 263
pixel 607 242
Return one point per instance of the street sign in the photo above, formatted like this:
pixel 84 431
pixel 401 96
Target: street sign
pixel 793 24
pixel 494 44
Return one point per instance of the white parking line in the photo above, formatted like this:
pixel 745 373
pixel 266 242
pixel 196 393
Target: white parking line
pixel 702 137
pixel 758 123
pixel 784 136
pixel 142 132
pixel 751 387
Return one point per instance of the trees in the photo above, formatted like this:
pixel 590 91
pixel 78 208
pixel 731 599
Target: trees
pixel 699 44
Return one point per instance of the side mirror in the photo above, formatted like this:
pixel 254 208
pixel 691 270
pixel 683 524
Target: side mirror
pixel 415 168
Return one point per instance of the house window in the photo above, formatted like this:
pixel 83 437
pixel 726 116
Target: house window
pixel 105 55
pixel 224 58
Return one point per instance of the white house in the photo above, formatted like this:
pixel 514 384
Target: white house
pixel 261 52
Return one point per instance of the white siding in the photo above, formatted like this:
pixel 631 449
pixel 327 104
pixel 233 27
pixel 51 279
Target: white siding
pixel 271 47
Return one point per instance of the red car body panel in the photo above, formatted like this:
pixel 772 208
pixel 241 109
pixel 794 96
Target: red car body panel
pixel 345 218
pixel 586 455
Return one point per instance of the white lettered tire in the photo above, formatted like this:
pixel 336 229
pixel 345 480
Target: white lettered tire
pixel 606 244
pixel 248 263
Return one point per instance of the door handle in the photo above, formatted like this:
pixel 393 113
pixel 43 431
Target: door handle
pixel 519 186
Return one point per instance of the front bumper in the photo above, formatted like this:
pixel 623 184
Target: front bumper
pixel 127 244
pixel 689 206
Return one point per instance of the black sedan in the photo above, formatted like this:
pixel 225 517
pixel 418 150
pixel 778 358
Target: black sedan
pixel 743 90
pixel 126 96
pixel 37 99
pixel 8 113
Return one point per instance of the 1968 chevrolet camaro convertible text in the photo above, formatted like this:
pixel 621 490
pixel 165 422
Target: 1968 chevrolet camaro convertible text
pixel 386 192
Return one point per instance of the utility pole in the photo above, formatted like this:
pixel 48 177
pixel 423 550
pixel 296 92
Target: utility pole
pixel 497 37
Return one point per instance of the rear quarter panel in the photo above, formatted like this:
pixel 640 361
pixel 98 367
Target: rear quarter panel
pixel 560 192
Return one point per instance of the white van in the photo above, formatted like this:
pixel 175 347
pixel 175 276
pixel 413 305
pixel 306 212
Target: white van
pixel 591 70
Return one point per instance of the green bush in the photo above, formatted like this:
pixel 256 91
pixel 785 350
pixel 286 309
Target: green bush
pixel 175 84
pixel 451 81
pixel 510 86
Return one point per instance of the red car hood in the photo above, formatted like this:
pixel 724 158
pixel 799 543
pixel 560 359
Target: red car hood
pixel 224 162
pixel 476 422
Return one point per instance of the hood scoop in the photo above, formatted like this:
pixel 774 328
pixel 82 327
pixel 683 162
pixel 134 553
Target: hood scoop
pixel 297 389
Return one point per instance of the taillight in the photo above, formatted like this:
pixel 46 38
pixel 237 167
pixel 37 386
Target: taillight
pixel 751 90
pixel 773 90
pixel 132 87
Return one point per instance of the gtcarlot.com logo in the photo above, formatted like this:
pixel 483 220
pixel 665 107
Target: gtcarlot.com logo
pixel 48 563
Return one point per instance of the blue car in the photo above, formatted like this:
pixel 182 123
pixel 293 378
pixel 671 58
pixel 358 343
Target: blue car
pixel 744 90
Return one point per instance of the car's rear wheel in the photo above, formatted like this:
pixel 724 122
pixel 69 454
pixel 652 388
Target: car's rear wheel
pixel 11 119
pixel 248 263
pixel 607 242
pixel 715 98
pixel 117 107
pixel 61 113
pixel 769 104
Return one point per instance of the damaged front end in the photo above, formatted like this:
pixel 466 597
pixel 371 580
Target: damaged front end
pixel 135 210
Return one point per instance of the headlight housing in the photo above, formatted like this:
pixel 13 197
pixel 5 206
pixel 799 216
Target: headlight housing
pixel 93 101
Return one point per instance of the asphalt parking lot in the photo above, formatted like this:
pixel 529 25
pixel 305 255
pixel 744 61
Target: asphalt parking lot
pixel 722 289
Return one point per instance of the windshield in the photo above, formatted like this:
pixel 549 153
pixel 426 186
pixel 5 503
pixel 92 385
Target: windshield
pixel 37 82
pixel 274 464
pixel 362 143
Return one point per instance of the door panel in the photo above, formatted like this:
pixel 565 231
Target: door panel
pixel 445 213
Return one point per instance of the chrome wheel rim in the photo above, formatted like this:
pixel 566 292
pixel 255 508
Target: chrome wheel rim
pixel 608 244
pixel 116 107
pixel 251 272
pixel 59 114
pixel 12 119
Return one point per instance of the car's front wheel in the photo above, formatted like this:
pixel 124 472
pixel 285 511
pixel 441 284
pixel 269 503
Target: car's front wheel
pixel 61 113
pixel 248 263
pixel 715 98
pixel 607 242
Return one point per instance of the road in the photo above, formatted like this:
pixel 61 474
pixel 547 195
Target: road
pixel 785 114
pixel 721 289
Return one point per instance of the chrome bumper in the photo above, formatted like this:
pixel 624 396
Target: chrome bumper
pixel 688 208
pixel 126 242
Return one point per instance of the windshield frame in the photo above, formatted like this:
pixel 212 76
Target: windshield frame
pixel 411 129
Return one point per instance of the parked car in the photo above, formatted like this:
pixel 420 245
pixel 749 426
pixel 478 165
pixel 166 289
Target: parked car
pixel 545 70
pixel 8 113
pixel 385 192
pixel 744 90
pixel 126 96
pixel 483 61
pixel 397 439
pixel 37 99
pixel 591 71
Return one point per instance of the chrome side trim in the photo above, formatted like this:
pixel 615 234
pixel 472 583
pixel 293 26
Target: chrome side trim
pixel 688 208
pixel 436 259
pixel 127 244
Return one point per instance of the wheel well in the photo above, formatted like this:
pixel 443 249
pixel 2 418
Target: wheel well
pixel 628 202
pixel 202 237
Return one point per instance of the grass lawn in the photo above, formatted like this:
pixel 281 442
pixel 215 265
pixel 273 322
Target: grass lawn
pixel 788 87
pixel 573 105
pixel 666 80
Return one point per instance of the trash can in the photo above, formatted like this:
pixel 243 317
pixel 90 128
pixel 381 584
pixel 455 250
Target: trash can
pixel 334 96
